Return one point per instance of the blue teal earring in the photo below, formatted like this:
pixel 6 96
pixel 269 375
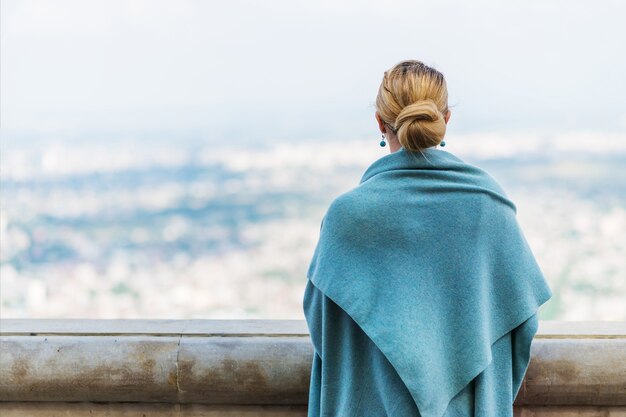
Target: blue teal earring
pixel 443 143
pixel 382 141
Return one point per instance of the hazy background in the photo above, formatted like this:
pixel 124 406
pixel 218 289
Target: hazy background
pixel 174 158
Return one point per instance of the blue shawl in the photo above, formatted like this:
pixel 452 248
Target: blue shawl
pixel 427 258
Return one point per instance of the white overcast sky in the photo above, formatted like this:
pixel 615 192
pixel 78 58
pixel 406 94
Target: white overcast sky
pixel 305 69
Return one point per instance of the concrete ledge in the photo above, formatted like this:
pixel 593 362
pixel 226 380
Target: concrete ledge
pixel 212 362
pixel 58 409
pixel 243 364
pixel 570 411
pixel 575 371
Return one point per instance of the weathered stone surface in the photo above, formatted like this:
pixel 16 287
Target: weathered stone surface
pixel 570 411
pixel 88 368
pixel 59 409
pixel 585 371
pixel 235 363
pixel 245 370
pixel 248 362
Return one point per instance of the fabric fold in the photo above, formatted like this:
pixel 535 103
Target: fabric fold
pixel 426 256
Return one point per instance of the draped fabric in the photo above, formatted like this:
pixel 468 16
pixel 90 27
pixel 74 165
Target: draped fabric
pixel 422 294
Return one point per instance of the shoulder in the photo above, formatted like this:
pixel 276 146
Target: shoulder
pixel 492 188
pixel 479 179
pixel 355 209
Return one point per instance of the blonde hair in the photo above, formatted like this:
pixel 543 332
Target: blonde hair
pixel 412 101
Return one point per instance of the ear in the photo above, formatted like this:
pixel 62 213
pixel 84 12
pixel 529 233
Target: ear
pixel 381 124
pixel 447 116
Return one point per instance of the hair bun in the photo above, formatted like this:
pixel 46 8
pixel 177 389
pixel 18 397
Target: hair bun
pixel 420 125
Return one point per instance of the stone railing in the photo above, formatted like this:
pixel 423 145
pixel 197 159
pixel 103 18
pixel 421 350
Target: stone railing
pixel 248 368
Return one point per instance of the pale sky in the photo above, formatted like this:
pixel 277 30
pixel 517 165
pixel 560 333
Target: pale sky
pixel 305 69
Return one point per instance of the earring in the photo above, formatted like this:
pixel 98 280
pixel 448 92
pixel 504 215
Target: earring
pixel 382 141
pixel 443 143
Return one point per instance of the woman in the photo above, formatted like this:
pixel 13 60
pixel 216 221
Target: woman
pixel 422 292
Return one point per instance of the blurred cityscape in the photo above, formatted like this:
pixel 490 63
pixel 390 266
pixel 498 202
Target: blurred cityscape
pixel 130 229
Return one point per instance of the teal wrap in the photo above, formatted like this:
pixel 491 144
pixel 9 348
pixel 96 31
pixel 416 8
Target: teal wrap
pixel 422 294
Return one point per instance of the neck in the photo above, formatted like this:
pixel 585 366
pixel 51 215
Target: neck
pixel 394 144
